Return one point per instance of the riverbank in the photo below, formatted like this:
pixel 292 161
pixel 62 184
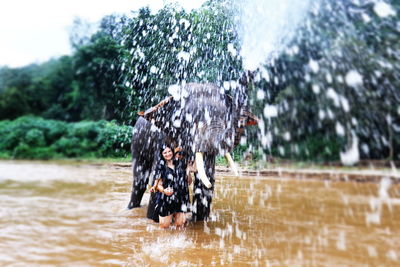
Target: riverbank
pixel 336 174
pixel 363 173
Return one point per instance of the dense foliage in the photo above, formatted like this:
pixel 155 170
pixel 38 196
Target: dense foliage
pixel 125 67
pixel 173 46
pixel 36 138
pixel 336 83
pixel 70 88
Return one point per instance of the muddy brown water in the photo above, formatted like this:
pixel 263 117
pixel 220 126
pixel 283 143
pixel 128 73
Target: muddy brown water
pixel 59 214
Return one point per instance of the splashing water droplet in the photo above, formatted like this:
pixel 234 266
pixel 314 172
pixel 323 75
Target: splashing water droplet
pixel 339 129
pixel 353 78
pixel 352 155
pixel 383 9
pixel 270 111
pixel 313 65
pixel 260 94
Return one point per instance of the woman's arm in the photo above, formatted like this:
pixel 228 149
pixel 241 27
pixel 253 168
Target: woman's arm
pixel 161 189
pixel 191 168
pixel 154 187
pixel 189 176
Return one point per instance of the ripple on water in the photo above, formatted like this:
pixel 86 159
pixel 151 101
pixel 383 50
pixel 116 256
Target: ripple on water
pixel 78 218
pixel 166 246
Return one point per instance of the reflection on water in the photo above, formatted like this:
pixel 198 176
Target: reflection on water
pixel 74 215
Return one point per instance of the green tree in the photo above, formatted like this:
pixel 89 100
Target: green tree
pixel 339 83
pixel 173 46
pixel 13 103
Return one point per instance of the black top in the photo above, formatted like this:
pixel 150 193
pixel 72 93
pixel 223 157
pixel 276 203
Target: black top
pixel 175 178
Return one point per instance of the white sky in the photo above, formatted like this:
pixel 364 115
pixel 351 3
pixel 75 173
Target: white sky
pixel 33 31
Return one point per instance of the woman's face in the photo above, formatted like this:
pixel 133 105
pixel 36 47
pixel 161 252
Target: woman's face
pixel 167 153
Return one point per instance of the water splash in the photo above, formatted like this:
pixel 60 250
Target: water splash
pixel 331 74
pixel 266 27
pixel 162 252
pixel 352 155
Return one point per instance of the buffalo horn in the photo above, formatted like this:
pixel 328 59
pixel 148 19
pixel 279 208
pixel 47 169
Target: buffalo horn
pixel 231 163
pixel 200 169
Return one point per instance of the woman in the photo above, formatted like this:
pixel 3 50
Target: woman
pixel 172 183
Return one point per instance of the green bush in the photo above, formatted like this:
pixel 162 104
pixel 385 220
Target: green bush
pixel 24 151
pixel 70 147
pixel 36 138
pixel 4 155
pixel 114 139
pixel 85 129
pixel 313 148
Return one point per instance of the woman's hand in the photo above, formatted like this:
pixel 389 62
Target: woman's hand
pixel 189 178
pixel 191 168
pixel 154 188
pixel 168 191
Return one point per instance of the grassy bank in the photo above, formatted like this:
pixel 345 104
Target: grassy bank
pixel 37 138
